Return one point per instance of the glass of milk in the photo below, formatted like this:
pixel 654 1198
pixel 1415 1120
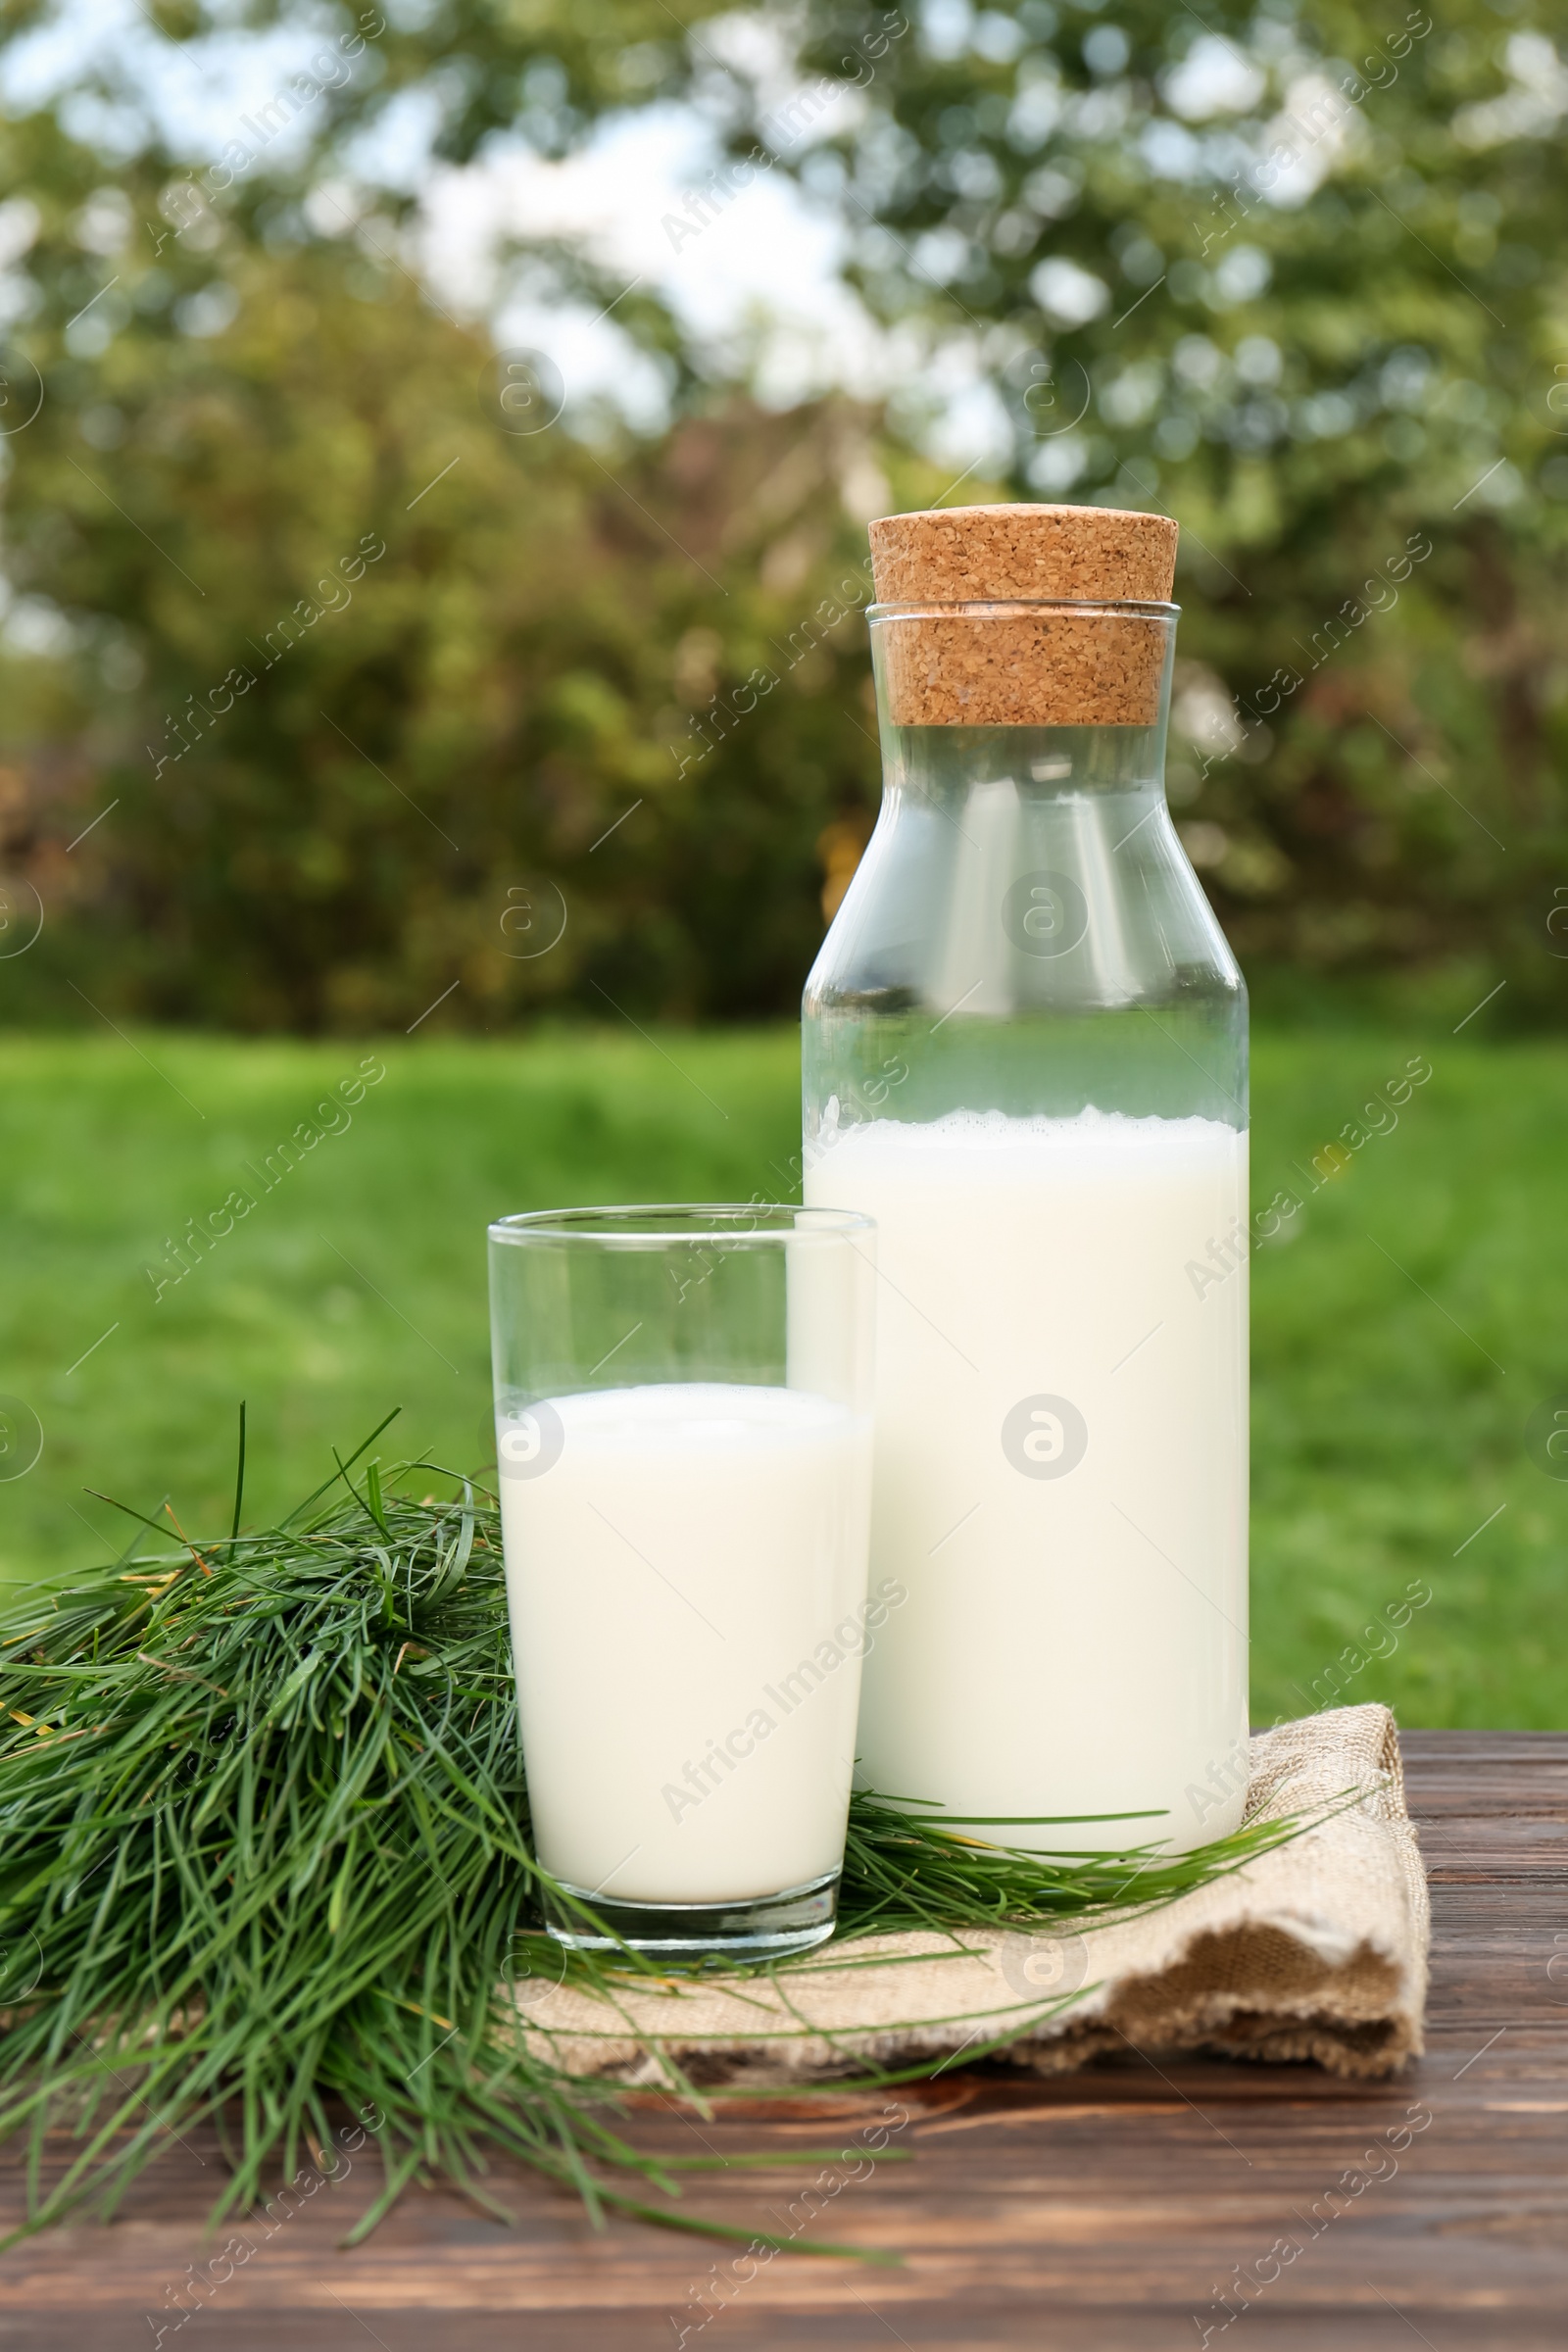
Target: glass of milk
pixel 1025 1057
pixel 683 1441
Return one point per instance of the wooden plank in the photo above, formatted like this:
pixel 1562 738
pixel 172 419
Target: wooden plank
pixel 1106 2211
pixel 1435 1751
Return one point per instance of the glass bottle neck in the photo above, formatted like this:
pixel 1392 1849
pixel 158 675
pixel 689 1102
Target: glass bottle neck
pixel 1026 933
pixel 946 765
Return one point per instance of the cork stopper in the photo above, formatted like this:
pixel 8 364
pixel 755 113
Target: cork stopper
pixel 973 555
pixel 1045 667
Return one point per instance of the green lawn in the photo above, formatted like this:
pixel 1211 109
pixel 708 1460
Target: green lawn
pixel 1390 1399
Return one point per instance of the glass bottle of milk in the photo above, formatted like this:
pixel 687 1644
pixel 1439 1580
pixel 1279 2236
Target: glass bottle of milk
pixel 1025 1056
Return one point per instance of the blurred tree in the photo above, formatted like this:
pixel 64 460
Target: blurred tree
pixel 1292 276
pixel 388 686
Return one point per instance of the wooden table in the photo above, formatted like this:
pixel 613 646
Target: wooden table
pixel 1102 2212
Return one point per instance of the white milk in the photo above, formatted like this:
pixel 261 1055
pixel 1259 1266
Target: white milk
pixel 687 1593
pixel 1075 1638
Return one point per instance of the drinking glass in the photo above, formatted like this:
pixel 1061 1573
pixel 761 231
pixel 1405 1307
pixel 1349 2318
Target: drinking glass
pixel 683 1445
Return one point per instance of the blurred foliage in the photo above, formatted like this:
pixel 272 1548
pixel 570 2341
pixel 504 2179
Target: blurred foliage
pixel 1294 277
pixel 1297 276
pixel 382 694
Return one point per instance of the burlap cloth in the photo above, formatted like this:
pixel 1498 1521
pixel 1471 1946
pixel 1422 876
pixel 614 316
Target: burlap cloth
pixel 1317 1949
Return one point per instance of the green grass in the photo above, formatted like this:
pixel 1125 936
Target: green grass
pixel 1389 1421
pixel 267 1839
